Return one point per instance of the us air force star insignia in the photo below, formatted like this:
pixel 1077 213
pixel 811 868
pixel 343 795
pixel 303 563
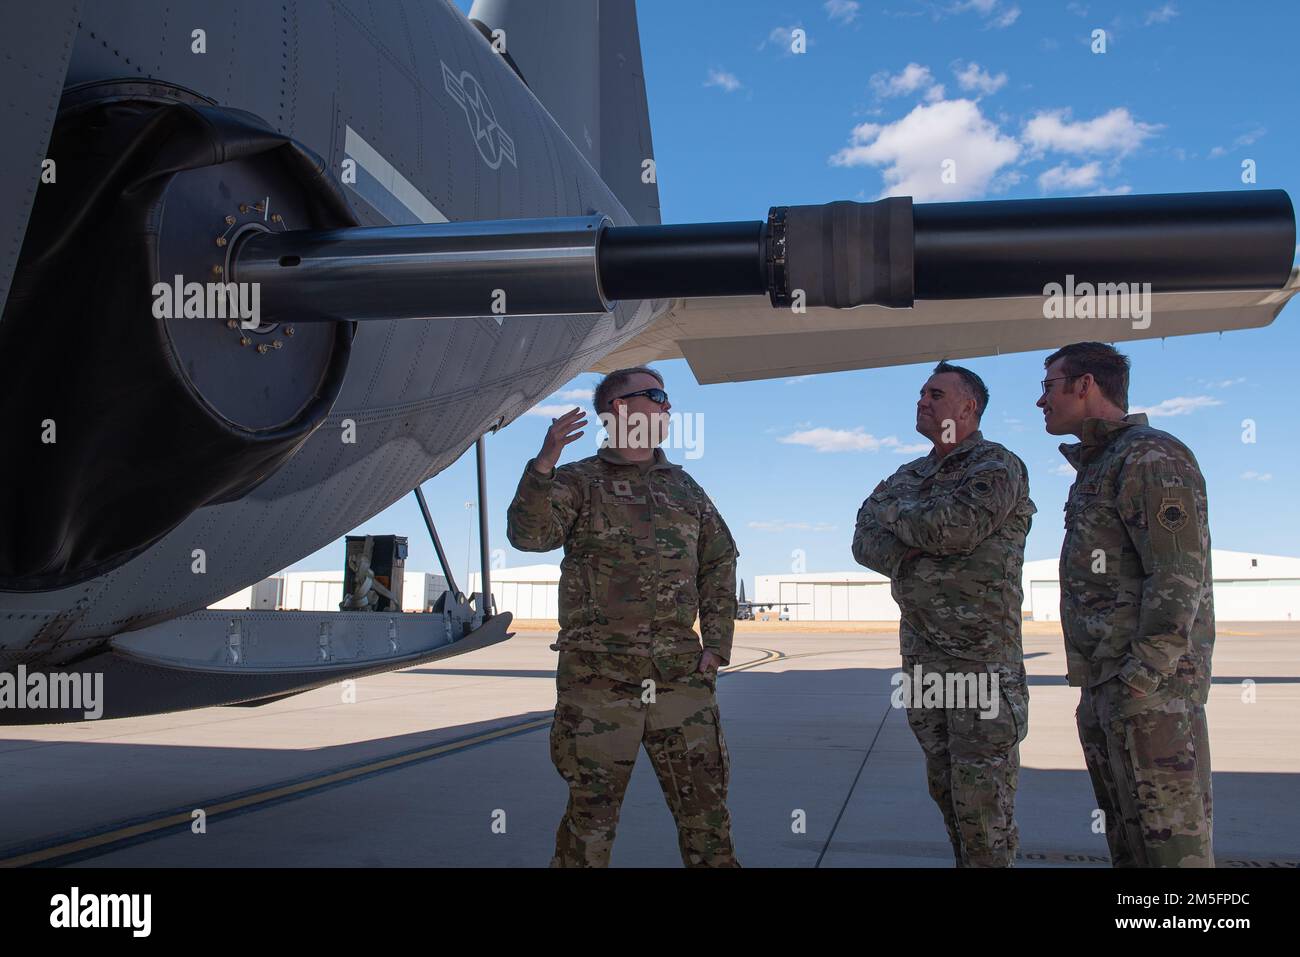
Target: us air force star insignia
pixel 1172 514
pixel 622 488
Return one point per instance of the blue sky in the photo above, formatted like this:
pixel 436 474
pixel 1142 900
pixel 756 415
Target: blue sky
pixel 1183 94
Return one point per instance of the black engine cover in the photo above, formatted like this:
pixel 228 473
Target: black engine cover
pixel 150 418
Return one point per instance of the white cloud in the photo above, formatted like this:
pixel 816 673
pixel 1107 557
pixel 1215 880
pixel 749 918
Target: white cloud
pixel 972 78
pixel 844 11
pixel 1253 476
pixel 1180 405
pixel 913 151
pixel 1005 180
pixel 783 526
pixel 996 13
pixel 1115 132
pixel 913 77
pixel 1069 177
pixel 1065 468
pixel 1221 383
pixel 1245 139
pixel 849 440
pixel 550 411
pixel 575 395
pixel 1161 14
pixel 1007 17
pixel 724 80
pixel 778 36
pixel 949 150
pixel 782 38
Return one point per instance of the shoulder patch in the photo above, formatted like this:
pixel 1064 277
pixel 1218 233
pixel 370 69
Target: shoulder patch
pixel 1175 531
pixel 1172 514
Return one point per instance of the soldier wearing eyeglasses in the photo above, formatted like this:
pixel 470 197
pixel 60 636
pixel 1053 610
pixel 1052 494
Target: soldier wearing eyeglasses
pixel 1137 611
pixel 645 553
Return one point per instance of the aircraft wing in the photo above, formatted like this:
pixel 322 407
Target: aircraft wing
pixel 740 338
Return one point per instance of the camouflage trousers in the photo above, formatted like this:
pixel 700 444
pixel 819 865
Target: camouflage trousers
pixel 607 707
pixel 1149 760
pixel 972 763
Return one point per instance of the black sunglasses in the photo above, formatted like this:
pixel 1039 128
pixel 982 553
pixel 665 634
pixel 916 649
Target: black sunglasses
pixel 657 396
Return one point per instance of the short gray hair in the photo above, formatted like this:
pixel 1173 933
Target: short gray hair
pixel 972 383
pixel 608 388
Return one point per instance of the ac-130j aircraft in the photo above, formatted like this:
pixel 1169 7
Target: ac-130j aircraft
pixel 446 217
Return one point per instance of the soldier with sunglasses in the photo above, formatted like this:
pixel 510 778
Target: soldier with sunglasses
pixel 645 552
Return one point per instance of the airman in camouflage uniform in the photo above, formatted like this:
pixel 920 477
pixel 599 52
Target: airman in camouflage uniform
pixel 949 530
pixel 645 552
pixel 1137 611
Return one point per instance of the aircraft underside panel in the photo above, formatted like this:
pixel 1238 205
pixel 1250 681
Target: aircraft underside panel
pixel 38 46
pixel 210 658
pixel 411 100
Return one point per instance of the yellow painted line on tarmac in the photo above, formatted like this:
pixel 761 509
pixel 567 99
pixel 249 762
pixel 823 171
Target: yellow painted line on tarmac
pixel 261 797
pixel 242 802
pixel 769 656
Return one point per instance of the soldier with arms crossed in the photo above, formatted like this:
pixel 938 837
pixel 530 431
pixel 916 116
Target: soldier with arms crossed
pixel 949 530
pixel 1137 610
pixel 645 551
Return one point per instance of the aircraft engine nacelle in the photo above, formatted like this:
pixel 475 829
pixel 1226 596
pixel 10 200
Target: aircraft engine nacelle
pixel 136 385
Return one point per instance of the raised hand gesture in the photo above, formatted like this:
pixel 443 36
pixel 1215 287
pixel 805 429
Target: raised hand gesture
pixel 562 432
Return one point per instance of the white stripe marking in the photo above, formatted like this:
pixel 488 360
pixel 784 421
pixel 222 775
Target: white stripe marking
pixel 401 189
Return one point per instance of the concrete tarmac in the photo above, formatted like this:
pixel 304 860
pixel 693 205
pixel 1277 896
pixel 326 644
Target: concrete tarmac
pixel 447 765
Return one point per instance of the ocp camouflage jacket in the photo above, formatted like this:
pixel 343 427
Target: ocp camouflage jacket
pixel 644 553
pixel 1137 595
pixel 967 514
